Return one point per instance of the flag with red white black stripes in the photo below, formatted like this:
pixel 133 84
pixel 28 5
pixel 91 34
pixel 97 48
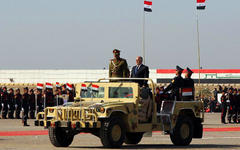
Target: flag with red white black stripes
pixel 39 86
pixel 148 5
pixel 201 4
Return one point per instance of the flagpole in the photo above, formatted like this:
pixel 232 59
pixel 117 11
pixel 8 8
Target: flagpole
pixel 199 57
pixel 143 42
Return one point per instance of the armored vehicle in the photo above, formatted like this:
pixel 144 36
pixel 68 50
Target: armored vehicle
pixel 119 111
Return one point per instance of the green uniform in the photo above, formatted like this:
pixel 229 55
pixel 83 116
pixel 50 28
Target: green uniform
pixel 118 68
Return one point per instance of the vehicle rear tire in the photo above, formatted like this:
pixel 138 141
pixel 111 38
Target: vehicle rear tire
pixel 59 137
pixel 182 134
pixel 112 132
pixel 133 138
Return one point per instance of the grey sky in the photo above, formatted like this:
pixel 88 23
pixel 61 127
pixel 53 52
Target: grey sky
pixel 80 34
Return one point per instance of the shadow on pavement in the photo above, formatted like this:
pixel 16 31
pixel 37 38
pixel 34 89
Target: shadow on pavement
pixel 162 146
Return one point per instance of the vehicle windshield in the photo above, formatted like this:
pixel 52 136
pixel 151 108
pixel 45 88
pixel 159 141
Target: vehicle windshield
pixel 91 93
pixel 120 92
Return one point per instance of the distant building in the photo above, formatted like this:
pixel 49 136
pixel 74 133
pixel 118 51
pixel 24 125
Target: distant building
pixel 164 76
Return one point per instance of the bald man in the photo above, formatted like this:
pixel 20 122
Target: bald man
pixel 140 71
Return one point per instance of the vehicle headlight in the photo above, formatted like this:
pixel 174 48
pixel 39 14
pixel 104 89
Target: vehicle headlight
pixel 100 109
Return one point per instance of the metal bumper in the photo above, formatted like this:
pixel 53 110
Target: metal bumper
pixel 72 117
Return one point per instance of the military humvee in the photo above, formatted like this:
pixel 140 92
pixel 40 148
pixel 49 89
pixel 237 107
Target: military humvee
pixel 119 111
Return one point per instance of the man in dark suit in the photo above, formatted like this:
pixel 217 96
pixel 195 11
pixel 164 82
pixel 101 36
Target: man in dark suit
pixel 140 71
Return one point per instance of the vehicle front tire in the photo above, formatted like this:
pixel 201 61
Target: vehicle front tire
pixel 59 137
pixel 182 134
pixel 112 132
pixel 133 138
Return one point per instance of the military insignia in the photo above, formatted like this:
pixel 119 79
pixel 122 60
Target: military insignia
pixel 172 81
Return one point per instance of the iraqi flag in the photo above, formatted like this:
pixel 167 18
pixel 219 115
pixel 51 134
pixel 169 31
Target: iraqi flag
pixel 187 92
pixel 57 85
pixel 49 85
pixel 69 86
pixel 39 86
pixel 95 87
pixel 201 4
pixel 84 87
pixel 148 6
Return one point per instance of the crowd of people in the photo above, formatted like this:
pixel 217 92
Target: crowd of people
pixel 230 104
pixel 19 104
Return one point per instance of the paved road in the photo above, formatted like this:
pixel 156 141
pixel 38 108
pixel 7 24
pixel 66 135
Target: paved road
pixel 211 139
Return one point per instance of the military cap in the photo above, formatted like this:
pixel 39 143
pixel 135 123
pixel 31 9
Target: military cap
pixel 26 88
pixel 179 68
pixel 116 51
pixel 189 70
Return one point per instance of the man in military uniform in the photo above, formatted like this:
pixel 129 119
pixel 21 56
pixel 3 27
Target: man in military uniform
pixel 224 107
pixel 18 100
pixel 5 102
pixel 32 103
pixel 189 83
pixel 231 104
pixel 238 106
pixel 25 106
pixel 11 103
pixel 118 67
pixel 176 84
pixel 0 101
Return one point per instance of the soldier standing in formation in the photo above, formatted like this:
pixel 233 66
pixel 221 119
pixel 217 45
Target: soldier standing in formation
pixel 39 100
pixel 25 106
pixel 0 101
pixel 118 67
pixel 224 106
pixel 176 84
pixel 32 103
pixel 5 102
pixel 11 103
pixel 238 106
pixel 230 105
pixel 18 100
pixel 234 107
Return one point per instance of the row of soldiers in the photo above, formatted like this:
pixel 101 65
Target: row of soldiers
pixel 13 103
pixel 230 100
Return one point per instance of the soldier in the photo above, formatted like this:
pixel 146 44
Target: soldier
pixel 40 101
pixel 32 103
pixel 18 100
pixel 224 107
pixel 49 98
pixel 118 67
pixel 189 83
pixel 25 106
pixel 176 84
pixel 0 101
pixel 234 105
pixel 11 102
pixel 230 105
pixel 5 102
pixel 238 106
